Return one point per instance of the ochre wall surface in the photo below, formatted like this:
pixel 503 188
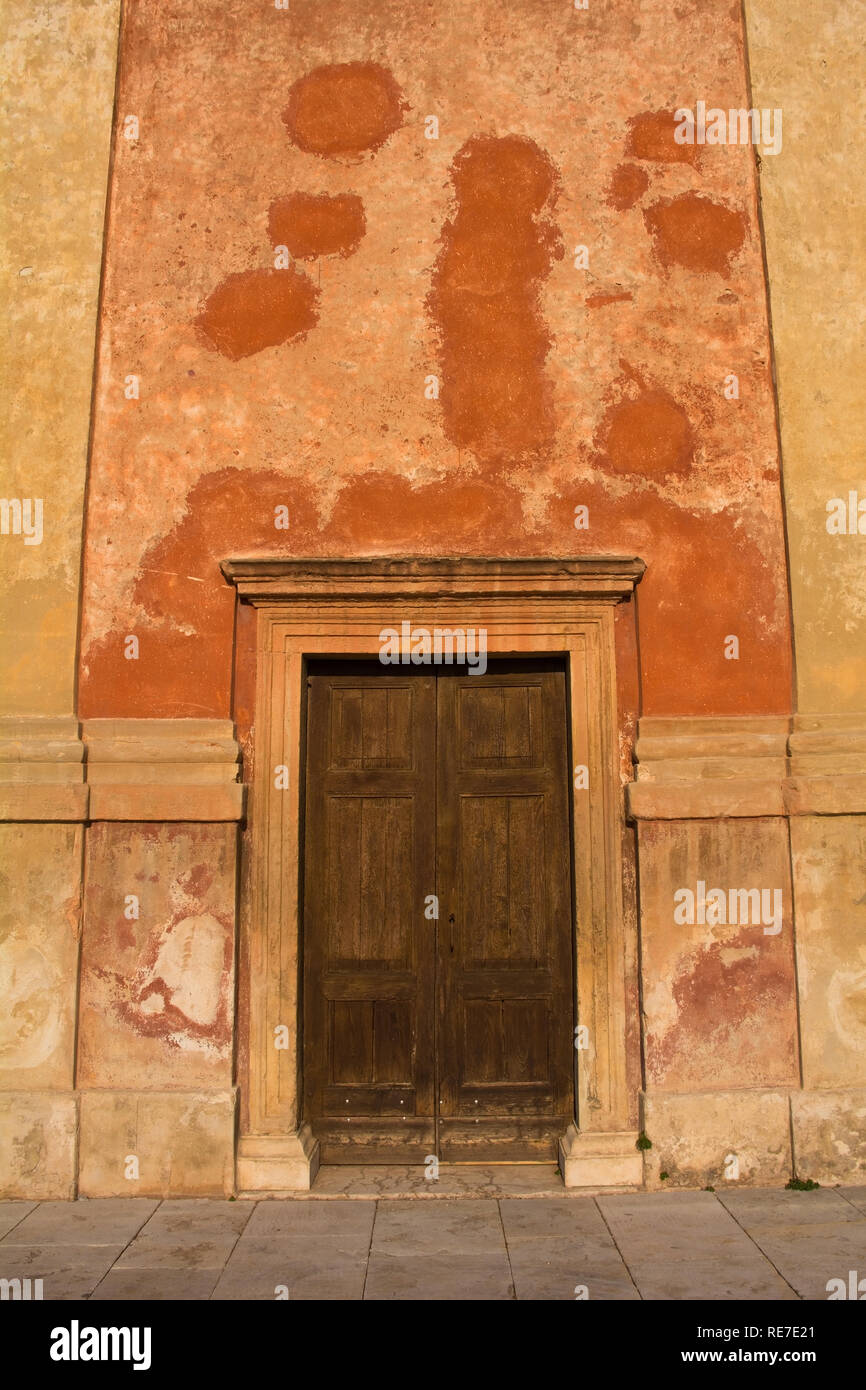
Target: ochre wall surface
pixel 308 387
pixel 814 205
pixel 810 66
pixel 59 64
pixel 59 70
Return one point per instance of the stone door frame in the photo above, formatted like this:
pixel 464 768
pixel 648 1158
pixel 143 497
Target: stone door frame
pixel 529 607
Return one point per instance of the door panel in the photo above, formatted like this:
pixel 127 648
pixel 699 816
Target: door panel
pixel 369 964
pixel 505 1024
pixel 452 784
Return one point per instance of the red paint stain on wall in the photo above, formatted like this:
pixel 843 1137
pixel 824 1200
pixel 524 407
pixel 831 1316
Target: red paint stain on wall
pixel 651 136
pixel 629 182
pixel 387 507
pixel 598 301
pixel 185 666
pixel 344 109
pixel 484 301
pixel 311 226
pixel 683 615
pixel 730 996
pixel 649 435
pixel 257 309
pixel 695 232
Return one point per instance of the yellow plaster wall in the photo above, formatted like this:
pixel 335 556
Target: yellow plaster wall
pixel 59 66
pixel 807 60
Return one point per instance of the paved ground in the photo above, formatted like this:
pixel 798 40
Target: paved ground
pixel 488 1233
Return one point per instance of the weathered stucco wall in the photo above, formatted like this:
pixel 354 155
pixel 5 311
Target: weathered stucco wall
pixel 309 387
pixel 59 73
pixel 814 212
pixel 814 208
pixel 430 366
pixel 59 68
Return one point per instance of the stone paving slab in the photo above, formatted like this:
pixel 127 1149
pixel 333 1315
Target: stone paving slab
pixel 66 1271
pixel 186 1251
pixel 12 1213
pixel 309 1218
pixel 532 1242
pixel 558 1270
pixel 550 1217
pixel 714 1278
pixel 452 1227
pixel 808 1256
pixel 562 1267
pixel 196 1215
pixel 436 1277
pixel 100 1221
pixel 157 1285
pixel 760 1208
pixel 309 1268
pixel 857 1195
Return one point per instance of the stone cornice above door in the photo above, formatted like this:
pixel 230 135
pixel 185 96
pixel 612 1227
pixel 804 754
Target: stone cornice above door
pixel 263 579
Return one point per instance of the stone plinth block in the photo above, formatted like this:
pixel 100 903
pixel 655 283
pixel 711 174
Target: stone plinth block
pixel 278 1162
pixel 37 1145
pixel 157 1144
pixel 830 1135
pixel 724 1139
pixel 589 1159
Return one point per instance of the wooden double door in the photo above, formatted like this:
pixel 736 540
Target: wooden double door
pixel 438 946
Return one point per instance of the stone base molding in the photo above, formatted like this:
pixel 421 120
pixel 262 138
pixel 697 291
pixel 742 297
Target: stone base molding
pixel 275 1163
pixel 119 769
pixel 708 768
pixel 595 1159
pixel 38 1145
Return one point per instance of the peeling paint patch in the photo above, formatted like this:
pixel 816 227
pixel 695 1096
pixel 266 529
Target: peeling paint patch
pixel 651 435
pixel 695 232
pixel 257 309
pixel 180 991
pixel 186 631
pixel 31 1026
pixel 310 225
pixel 598 301
pixel 344 109
pixel 484 301
pixel 628 183
pixel 158 986
pixel 725 995
pixel 651 137
pixel 386 507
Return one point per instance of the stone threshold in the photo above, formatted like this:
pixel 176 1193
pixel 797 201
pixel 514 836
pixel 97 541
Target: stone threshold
pixel 373 1182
